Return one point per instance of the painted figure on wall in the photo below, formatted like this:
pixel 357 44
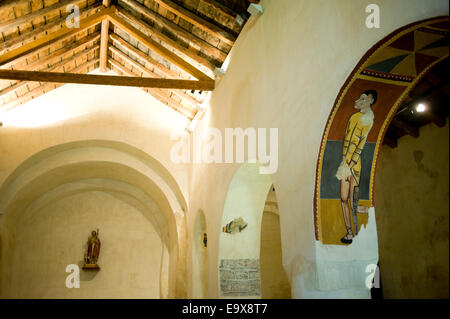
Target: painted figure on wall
pixel 93 250
pixel 349 171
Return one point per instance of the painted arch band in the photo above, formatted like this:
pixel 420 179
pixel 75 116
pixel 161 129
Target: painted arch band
pixel 345 173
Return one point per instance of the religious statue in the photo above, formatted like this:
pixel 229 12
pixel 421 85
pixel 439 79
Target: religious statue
pixel 93 251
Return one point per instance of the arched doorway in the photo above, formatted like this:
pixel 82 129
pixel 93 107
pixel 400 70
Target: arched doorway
pixel 240 237
pixel 200 257
pixel 54 199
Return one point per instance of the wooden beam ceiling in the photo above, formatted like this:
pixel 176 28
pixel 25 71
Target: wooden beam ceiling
pixel 64 32
pixel 203 24
pixel 157 47
pixel 162 45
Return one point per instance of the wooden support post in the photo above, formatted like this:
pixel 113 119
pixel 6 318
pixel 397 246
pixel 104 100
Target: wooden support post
pixel 104 45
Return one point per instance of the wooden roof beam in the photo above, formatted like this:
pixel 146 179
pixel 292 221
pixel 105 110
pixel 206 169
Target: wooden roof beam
pixel 190 38
pixel 157 93
pixel 149 73
pixel 190 52
pixel 45 87
pixel 42 65
pixel 94 19
pixel 158 48
pixel 199 22
pixel 203 85
pixel 224 10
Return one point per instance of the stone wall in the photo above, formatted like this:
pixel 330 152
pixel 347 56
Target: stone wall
pixel 240 277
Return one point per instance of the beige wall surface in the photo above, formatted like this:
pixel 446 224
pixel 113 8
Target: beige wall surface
pixel 76 112
pixel 54 237
pixel 285 71
pixel 411 197
pixel 274 282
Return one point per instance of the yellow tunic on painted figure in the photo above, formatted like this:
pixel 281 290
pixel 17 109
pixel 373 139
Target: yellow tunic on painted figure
pixel 358 128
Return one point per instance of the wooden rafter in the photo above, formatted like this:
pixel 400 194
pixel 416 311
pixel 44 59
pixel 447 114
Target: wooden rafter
pixel 64 32
pixel 149 73
pixel 139 54
pixel 223 9
pixel 187 52
pixel 45 87
pixel 42 64
pixel 158 48
pixel 203 85
pixel 176 29
pixel 201 23
pixel 158 93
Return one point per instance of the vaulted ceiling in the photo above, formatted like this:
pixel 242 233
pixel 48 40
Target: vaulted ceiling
pixel 153 39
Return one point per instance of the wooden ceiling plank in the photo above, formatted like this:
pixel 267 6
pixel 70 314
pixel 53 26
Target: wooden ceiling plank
pixel 94 19
pixel 203 85
pixel 206 47
pixel 33 15
pixel 224 10
pixel 41 65
pixel 199 22
pixel 29 36
pixel 161 68
pixel 187 52
pixel 158 48
pixel 149 73
pixel 157 93
pixel 139 54
pixel 20 84
pixel 104 45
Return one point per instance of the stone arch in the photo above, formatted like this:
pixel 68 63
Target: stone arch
pixel 245 199
pixel 392 67
pixel 132 176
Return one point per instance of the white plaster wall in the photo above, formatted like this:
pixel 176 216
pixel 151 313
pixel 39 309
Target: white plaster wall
pixel 81 112
pixel 131 253
pixel 285 71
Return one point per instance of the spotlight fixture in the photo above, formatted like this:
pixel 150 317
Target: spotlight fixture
pixel 420 108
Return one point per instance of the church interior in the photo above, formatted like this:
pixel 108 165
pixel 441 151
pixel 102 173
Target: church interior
pixel 224 149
